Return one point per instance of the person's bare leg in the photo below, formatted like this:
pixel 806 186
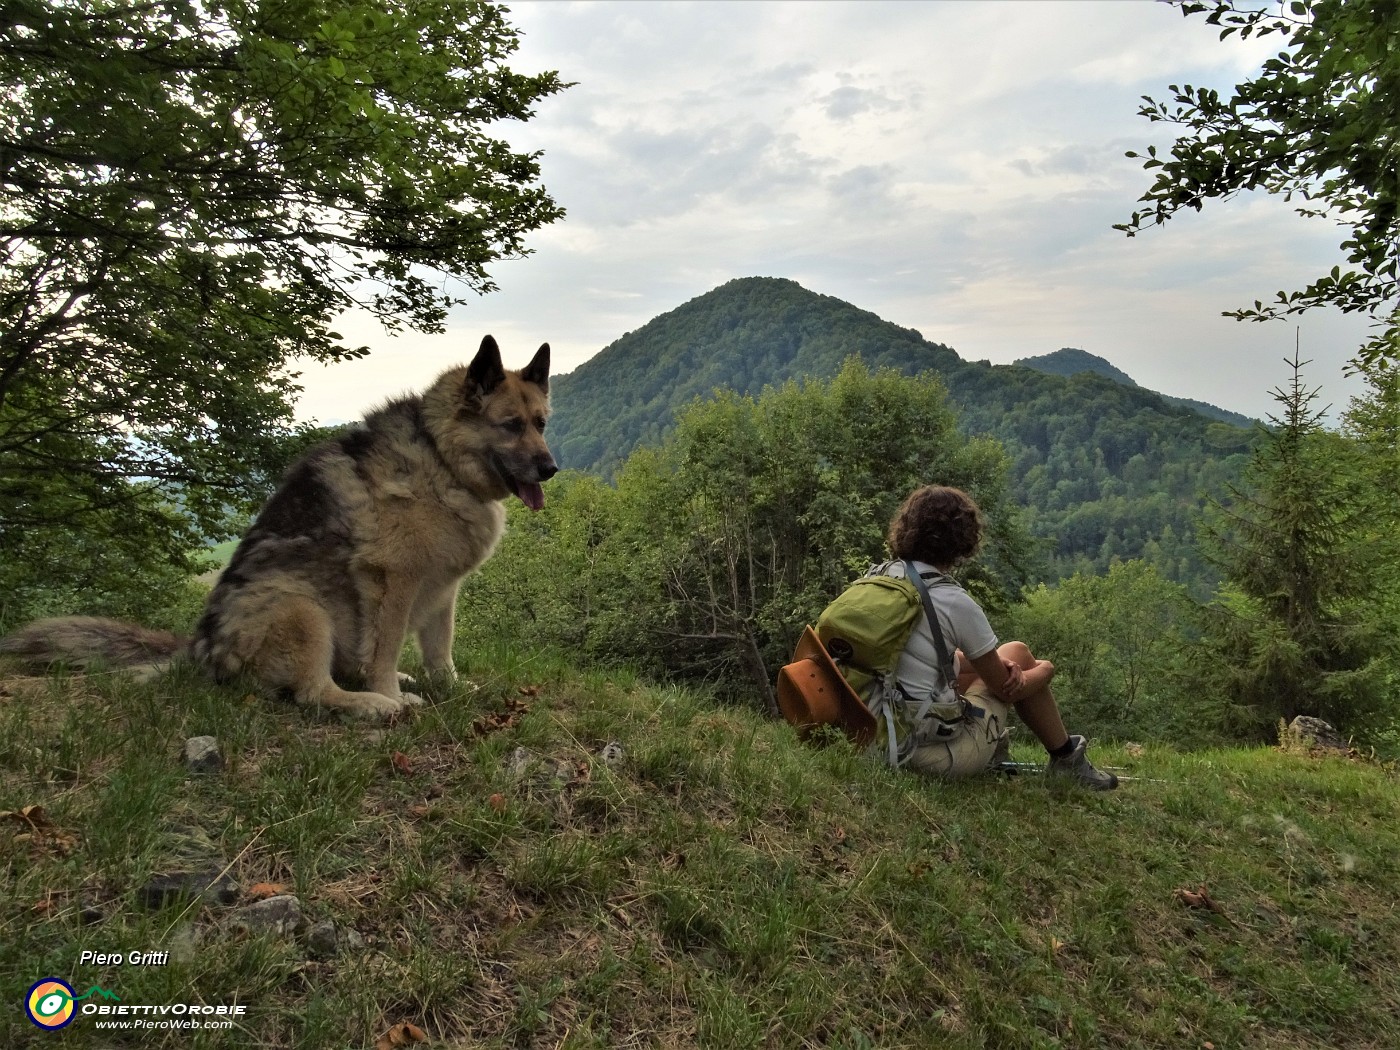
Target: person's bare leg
pixel 1041 714
pixel 1038 710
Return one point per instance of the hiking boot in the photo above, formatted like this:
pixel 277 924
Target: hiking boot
pixel 1077 765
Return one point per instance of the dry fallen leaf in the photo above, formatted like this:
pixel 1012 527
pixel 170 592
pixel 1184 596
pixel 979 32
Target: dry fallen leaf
pixel 1200 898
pixel 38 831
pixel 494 723
pixel 402 1034
pixel 497 802
pixel 263 890
pixel 33 816
pixel 529 690
pixel 402 764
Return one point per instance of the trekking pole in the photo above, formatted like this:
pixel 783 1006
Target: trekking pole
pixel 1012 769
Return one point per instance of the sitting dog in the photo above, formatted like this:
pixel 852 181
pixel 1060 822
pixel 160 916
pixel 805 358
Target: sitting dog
pixel 367 537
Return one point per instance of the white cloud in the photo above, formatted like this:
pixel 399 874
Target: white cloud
pixel 953 167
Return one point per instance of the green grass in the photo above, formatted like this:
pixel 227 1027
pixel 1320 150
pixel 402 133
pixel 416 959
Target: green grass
pixel 720 886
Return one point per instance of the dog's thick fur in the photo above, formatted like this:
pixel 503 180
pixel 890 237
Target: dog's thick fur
pixel 367 537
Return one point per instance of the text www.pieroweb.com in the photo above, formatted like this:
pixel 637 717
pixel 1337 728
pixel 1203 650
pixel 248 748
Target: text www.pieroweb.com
pixel 179 1017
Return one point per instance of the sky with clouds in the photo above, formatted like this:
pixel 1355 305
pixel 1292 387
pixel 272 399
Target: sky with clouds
pixel 952 167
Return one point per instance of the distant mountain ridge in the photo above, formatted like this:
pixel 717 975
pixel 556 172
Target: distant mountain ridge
pixel 1105 468
pixel 1069 361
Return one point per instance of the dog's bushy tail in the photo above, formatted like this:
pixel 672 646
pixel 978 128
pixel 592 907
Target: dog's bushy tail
pixel 88 641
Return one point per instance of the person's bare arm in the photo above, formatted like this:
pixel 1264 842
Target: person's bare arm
pixel 967 674
pixel 991 667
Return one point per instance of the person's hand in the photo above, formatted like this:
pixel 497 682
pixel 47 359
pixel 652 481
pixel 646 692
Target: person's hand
pixel 1015 679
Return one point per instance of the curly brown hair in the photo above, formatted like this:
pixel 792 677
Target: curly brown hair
pixel 936 524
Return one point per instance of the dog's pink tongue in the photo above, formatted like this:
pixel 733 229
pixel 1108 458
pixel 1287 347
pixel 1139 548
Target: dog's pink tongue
pixel 531 494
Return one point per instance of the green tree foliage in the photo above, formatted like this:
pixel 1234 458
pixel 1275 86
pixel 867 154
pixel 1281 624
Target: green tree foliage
pixel 1373 424
pixel 1105 472
pixel 1294 629
pixel 1122 645
pixel 132 559
pixel 189 193
pixel 709 554
pixel 1317 124
pixel 787 499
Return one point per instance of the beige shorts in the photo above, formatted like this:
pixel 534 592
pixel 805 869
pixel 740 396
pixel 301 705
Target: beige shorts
pixel 971 751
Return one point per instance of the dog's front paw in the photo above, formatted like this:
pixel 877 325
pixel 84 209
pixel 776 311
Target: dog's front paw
pixel 373 706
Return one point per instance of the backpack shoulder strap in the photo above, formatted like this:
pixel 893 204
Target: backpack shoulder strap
pixel 945 658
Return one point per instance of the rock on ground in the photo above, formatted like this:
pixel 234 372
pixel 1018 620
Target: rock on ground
pixel 1308 733
pixel 202 755
pixel 280 915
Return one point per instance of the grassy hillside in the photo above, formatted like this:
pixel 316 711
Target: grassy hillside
pixel 501 878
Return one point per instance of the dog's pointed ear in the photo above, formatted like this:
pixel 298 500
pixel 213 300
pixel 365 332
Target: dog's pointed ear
pixel 486 372
pixel 537 371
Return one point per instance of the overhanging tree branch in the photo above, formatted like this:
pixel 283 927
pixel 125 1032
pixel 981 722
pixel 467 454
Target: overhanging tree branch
pixel 1317 123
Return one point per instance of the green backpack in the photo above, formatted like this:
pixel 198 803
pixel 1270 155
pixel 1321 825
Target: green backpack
pixel 865 631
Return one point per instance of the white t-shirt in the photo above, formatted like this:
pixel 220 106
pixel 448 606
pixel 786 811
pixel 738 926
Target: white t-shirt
pixel 962 620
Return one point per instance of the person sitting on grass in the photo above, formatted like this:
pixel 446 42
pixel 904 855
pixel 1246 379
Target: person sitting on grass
pixel 938 528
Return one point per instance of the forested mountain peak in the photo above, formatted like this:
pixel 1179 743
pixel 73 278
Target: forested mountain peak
pixel 746 334
pixel 1069 361
pixel 742 312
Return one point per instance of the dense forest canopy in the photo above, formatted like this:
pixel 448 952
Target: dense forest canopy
pixel 1105 470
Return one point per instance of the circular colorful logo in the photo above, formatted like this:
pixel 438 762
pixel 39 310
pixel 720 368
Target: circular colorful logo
pixel 50 1003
